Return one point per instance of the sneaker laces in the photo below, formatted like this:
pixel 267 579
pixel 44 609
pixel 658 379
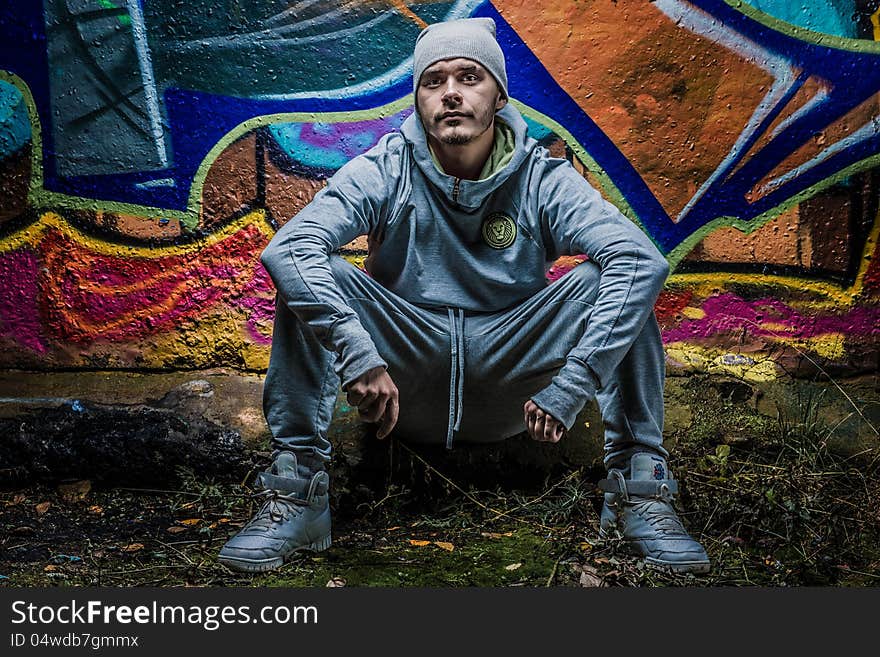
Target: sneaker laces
pixel 275 509
pixel 658 514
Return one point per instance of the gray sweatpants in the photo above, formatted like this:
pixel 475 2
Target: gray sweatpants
pixel 462 377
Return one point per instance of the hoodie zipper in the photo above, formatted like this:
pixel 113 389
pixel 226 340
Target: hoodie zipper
pixel 455 188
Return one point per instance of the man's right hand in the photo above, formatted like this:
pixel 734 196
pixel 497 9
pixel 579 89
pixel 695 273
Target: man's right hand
pixel 376 398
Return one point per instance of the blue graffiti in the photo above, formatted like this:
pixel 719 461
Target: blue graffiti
pixel 133 94
pixel 853 76
pixel 15 128
pixel 320 149
pixel 179 119
pixel 826 16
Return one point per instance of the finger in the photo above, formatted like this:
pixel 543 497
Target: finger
pixel 560 431
pixel 530 424
pixel 540 419
pixel 389 419
pixel 367 401
pixel 376 411
pixel 551 430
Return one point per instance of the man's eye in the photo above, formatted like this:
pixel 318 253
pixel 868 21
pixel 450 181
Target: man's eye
pixel 470 77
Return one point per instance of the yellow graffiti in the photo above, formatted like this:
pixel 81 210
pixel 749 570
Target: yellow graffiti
pixel 32 235
pixel 693 313
pixel 828 296
pixel 829 346
pixel 217 333
pixel 755 367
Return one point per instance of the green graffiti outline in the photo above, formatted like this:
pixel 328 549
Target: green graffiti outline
pixel 802 33
pixel 675 256
pixel 109 4
pixel 611 190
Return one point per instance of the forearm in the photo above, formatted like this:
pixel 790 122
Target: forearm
pixel 298 258
pixel 625 300
pixel 632 275
pixel 299 265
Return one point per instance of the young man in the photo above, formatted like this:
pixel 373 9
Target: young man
pixel 456 336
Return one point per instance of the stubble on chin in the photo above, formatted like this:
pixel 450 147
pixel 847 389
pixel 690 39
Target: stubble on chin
pixel 457 139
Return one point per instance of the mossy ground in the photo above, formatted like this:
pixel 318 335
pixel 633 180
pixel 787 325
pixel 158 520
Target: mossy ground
pixel 776 499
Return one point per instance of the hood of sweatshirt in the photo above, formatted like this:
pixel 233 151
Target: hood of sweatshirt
pixel 468 193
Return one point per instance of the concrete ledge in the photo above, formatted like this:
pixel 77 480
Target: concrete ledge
pixel 117 426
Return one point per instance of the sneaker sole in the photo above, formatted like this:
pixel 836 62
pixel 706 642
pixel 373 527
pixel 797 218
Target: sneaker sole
pixel 696 567
pixel 263 565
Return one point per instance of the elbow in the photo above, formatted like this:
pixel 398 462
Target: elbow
pixel 270 257
pixel 658 269
pixel 661 268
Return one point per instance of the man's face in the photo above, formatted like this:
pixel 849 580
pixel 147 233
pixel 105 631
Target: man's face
pixel 457 100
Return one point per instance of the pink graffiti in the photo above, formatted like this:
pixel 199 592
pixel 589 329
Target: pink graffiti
pixel 19 311
pixel 260 306
pixel 726 313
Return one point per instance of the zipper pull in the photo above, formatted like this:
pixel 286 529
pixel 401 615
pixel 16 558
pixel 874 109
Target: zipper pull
pixel 455 187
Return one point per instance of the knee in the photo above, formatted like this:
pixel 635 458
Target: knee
pixel 582 282
pixel 343 271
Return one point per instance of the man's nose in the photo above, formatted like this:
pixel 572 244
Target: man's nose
pixel 451 94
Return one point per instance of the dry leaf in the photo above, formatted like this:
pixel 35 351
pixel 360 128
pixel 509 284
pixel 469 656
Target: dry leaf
pixel 586 546
pixel 223 521
pixel 190 521
pixel 50 568
pixel 336 582
pixel 495 534
pixel 449 547
pixel 512 566
pixel 413 541
pixel 133 547
pixel 98 510
pixel 74 490
pixel 391 529
pixel 18 498
pixel 175 529
pixel 590 577
pixel 42 507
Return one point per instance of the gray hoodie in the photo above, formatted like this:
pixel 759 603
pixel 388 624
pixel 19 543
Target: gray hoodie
pixel 427 246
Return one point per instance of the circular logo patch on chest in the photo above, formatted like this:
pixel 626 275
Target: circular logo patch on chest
pixel 499 230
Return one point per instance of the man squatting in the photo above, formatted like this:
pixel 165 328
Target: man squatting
pixel 464 214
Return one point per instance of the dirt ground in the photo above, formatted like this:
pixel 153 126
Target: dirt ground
pixel 776 500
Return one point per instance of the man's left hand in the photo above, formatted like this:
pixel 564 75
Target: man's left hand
pixel 541 425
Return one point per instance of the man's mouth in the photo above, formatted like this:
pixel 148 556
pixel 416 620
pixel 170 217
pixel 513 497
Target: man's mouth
pixel 452 115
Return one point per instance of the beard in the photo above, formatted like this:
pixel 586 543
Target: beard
pixel 461 138
pixel 457 139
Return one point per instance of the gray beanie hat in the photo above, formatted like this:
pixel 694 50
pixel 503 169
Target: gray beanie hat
pixel 471 38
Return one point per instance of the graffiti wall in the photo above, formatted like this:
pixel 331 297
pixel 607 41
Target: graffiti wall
pixel 149 150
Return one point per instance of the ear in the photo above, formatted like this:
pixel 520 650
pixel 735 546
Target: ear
pixel 501 102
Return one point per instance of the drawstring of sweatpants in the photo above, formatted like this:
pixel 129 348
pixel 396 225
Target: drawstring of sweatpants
pixel 456 372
